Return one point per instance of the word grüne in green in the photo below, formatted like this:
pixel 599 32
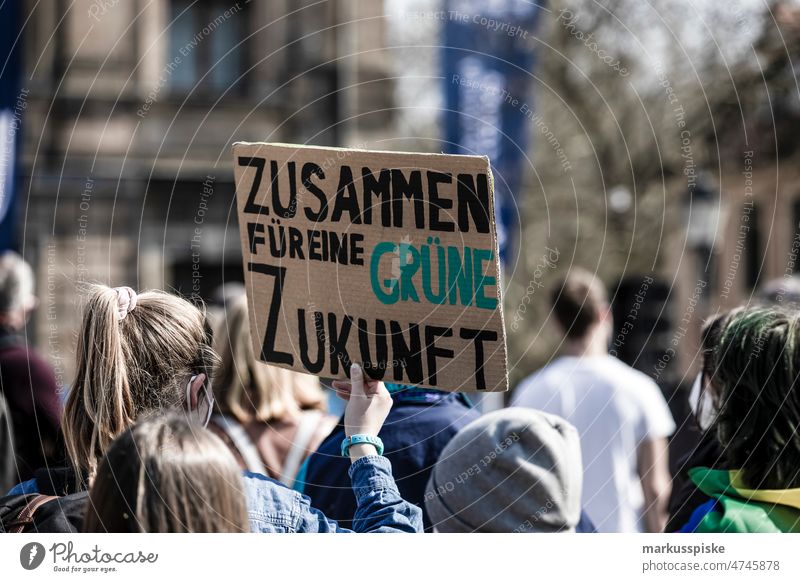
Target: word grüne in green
pixel 459 274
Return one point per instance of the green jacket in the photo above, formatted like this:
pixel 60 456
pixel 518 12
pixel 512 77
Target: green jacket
pixel 735 508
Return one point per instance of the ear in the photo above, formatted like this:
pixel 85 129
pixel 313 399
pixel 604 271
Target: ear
pixel 194 390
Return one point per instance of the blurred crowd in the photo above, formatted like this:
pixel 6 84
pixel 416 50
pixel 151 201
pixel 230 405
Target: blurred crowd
pixel 172 424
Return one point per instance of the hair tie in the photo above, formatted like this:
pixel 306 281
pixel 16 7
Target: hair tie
pixel 126 301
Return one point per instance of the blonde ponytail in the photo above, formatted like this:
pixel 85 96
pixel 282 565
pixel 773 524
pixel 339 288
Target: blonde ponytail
pixel 129 367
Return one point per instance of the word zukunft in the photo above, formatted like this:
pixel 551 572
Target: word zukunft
pixel 409 352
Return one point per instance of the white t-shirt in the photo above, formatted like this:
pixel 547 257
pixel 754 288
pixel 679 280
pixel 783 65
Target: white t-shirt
pixel 614 408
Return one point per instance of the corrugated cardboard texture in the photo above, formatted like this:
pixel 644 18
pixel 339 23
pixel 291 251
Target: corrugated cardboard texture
pixel 382 258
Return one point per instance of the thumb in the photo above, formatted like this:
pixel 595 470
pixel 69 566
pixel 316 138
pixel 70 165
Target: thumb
pixel 357 380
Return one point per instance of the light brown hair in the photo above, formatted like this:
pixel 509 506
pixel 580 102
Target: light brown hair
pixel 130 367
pixel 247 388
pixel 167 475
pixel 578 302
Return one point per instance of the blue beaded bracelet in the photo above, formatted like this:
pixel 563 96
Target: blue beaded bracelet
pixel 360 439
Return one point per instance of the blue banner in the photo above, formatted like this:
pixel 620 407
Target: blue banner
pixel 488 60
pixel 13 102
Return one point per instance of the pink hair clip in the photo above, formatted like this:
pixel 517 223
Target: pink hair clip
pixel 126 301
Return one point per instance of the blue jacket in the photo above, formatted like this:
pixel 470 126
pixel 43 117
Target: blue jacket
pixel 418 427
pixel 379 507
pixel 274 508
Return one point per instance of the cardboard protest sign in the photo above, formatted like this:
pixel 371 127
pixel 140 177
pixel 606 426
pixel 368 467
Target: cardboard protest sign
pixel 381 258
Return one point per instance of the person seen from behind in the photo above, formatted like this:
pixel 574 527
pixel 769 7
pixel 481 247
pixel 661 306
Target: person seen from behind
pixel 620 413
pixel 755 395
pixel 511 471
pixel 167 475
pixel 422 421
pixel 271 418
pixel 27 382
pixel 151 353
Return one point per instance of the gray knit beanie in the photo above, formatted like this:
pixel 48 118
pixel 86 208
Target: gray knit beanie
pixel 512 470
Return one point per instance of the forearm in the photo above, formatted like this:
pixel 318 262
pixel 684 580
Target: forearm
pixel 656 483
pixel 655 511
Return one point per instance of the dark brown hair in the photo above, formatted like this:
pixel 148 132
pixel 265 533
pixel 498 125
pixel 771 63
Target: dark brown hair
pixel 578 301
pixel 758 373
pixel 710 336
pixel 167 475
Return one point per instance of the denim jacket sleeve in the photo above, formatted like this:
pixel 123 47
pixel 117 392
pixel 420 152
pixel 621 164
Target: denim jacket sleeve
pixel 380 506
pixel 275 508
pixel 380 509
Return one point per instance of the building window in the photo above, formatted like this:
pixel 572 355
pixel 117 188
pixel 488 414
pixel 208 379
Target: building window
pixel 205 49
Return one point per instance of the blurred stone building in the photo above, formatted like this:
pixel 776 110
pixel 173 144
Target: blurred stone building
pixel 131 110
pixel 132 106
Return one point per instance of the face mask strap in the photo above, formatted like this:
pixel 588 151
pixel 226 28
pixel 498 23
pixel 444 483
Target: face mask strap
pixel 206 388
pixel 701 403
